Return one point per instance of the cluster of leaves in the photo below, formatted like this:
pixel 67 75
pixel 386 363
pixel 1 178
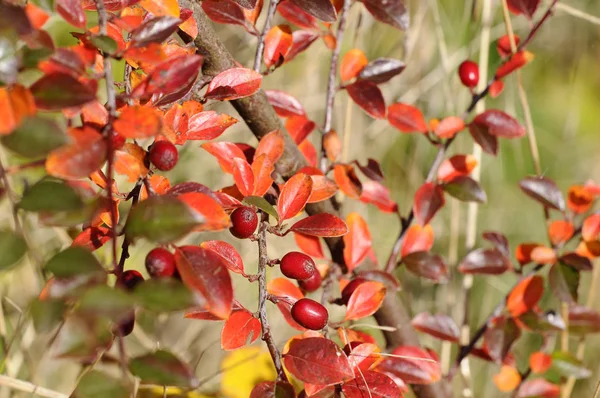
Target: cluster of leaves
pixel 58 122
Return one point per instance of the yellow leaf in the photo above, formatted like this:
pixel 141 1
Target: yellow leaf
pixel 161 8
pixel 243 369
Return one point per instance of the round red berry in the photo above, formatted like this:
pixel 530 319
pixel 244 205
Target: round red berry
pixel 160 263
pixel 350 288
pixel 468 72
pixel 131 278
pixel 163 155
pixel 296 265
pixel 310 314
pixel 243 222
pixel 311 284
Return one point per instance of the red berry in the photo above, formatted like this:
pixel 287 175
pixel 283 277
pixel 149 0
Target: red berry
pixel 244 221
pixel 310 314
pixel 130 279
pixel 468 72
pixel 350 288
pixel 160 263
pixel 163 155
pixel 296 265
pixel 311 284
pixel 125 327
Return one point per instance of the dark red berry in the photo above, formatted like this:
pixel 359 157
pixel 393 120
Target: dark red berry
pixel 131 278
pixel 468 72
pixel 244 221
pixel 163 155
pixel 125 327
pixel 311 284
pixel 350 288
pixel 310 314
pixel 296 265
pixel 160 263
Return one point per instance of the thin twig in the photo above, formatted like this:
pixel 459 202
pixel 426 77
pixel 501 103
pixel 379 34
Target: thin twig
pixel 331 85
pixel 261 39
pixel 263 260
pixel 30 388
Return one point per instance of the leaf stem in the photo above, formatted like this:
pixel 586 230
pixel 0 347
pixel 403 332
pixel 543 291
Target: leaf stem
pixel 261 39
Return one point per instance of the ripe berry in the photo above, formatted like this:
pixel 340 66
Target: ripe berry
pixel 350 288
pixel 163 155
pixel 311 284
pixel 125 327
pixel 310 314
pixel 130 279
pixel 296 265
pixel 244 221
pixel 468 72
pixel 160 263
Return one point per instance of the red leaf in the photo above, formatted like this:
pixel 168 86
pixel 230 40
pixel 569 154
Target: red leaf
pixel 302 39
pixel 320 9
pixel 439 325
pixel 139 122
pixel 233 83
pixel 369 97
pixel 317 360
pixel 269 389
pixel 310 245
pixel 240 329
pixel 283 287
pixel 515 62
pixel 413 365
pixel 352 63
pixel 170 76
pixel 243 176
pixel 155 30
pixel 231 258
pixel 272 145
pixel 449 127
pixel 284 104
pixel 371 384
pixel 79 159
pixel 204 271
pixel 322 225
pixel 362 356
pixel 540 362
pixel 323 188
pixel 418 238
pixel 357 243
pixel 487 141
pixel 484 261
pixel 346 179
pixel 72 11
pixel 456 166
pixel 365 300
pixel 496 88
pixel 376 193
pixel 60 90
pixel 538 388
pixel 225 152
pixel 262 168
pixel 579 199
pixel 92 238
pixel 215 218
pixel 278 42
pixel 299 127
pixel 293 196
pixel 224 11
pixel 391 12
pixel 429 198
pixel 499 124
pixel 525 7
pixel 297 15
pixel 407 118
pixel 525 295
pixel 427 265
pixel 208 125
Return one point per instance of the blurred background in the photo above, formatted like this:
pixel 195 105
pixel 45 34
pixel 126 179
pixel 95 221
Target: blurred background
pixel 562 86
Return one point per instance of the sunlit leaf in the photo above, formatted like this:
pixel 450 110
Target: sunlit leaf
pixel 412 364
pixel 371 384
pixel 294 196
pixel 365 300
pixel 284 104
pixel 352 63
pixel 231 258
pixel 241 328
pixel 525 295
pixel 208 125
pixel 507 379
pixel 233 83
pixel 138 122
pixel 278 42
pixel 564 282
pixel 357 242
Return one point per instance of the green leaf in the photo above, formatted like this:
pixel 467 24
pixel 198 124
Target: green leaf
pixel 46 5
pixel 32 56
pixel 46 314
pixel 96 384
pixel 161 219
pixel 103 300
pixel 164 295
pixel 465 189
pixel 262 204
pixel 74 261
pixel 564 282
pixel 50 195
pixel 59 90
pixel 565 364
pixel 164 369
pixel 35 137
pixel 12 249
pixel 104 43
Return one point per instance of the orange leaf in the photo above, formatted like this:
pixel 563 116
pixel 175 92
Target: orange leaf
pixel 138 122
pixel 591 227
pixel 517 61
pixel 352 63
pixel 523 252
pixel 560 232
pixel 579 199
pixel 92 238
pixel 323 188
pixel 299 127
pixel 241 328
pixel 332 145
pixel 496 88
pixel 357 242
pixel 504 47
pixel 16 103
pixel 310 245
pixel 309 152
pixel 525 295
pixel 543 255
pixel 540 362
pixel 590 249
pixel 243 176
pixel 378 194
pixel 449 127
pixel 407 118
pixel 129 161
pixel 161 8
pixel 365 300
pixel 322 225
pixel 232 259
pixel 271 145
pixel 189 24
pixel 215 217
pixel 79 159
pixel 262 168
pixel 278 42
pixel 364 356
pixel 346 179
pixel 208 125
pixel 417 239
pixel 294 196
pixel 159 184
pixel 456 166
pixel 94 112
pixel 508 379
pixel 37 17
pixel 225 152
